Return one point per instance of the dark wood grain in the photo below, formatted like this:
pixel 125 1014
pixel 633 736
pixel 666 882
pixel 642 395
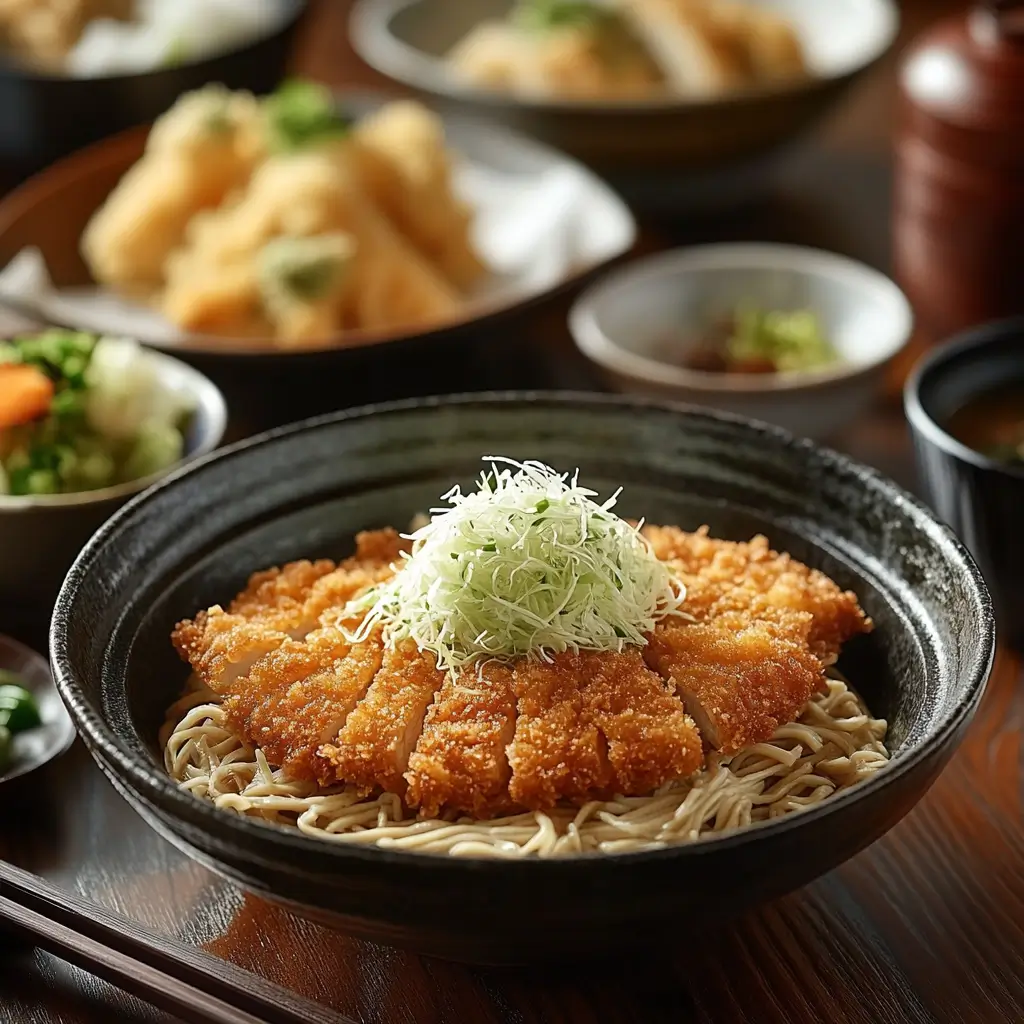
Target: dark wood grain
pixel 925 927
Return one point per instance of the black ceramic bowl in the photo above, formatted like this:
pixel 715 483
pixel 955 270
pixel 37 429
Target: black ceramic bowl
pixel 44 117
pixel 305 490
pixel 982 500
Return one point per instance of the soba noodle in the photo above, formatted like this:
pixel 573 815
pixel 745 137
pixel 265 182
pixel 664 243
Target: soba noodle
pixel 833 745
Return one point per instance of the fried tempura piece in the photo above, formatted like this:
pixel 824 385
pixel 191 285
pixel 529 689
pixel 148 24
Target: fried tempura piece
pixel 222 648
pixel 203 148
pixel 460 762
pixel 406 170
pixel 303 283
pixel 650 738
pixel 298 697
pixel 374 746
pixel 706 48
pixel 214 282
pixel 558 752
pixel 750 578
pixel 739 678
pixel 596 57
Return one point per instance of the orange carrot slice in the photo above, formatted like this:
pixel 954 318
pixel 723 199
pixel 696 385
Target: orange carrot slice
pixel 25 394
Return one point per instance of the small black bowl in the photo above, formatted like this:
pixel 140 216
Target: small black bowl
pixel 981 499
pixel 305 490
pixel 46 116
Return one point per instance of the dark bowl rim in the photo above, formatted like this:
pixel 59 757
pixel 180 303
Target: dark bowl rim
pixel 153 787
pixel 368 19
pixel 973 340
pixel 297 10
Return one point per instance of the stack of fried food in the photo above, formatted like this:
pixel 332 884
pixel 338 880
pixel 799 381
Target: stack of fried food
pixel 277 219
pixel 630 49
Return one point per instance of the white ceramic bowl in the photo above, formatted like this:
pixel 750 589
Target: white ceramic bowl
pixel 635 324
pixel 667 152
pixel 40 535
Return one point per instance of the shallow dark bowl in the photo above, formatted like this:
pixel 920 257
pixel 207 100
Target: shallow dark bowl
pixel 43 117
pixel 981 499
pixel 305 490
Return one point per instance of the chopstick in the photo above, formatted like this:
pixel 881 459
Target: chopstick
pixel 181 979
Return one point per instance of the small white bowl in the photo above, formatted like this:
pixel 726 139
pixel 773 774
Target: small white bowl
pixel 40 535
pixel 633 321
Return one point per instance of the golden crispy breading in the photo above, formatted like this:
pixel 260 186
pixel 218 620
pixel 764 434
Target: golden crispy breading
pixel 279 591
pixel 651 740
pixel 748 577
pixel 386 282
pixel 739 678
pixel 406 169
pixel 374 746
pixel 293 599
pixel 203 148
pixel 460 762
pixel 298 698
pixel 558 753
pixel 222 648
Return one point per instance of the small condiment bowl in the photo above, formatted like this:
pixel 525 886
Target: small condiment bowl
pixel 638 323
pixel 980 498
pixel 35 747
pixel 40 535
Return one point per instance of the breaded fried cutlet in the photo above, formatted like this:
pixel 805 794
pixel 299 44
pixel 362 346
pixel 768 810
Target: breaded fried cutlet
pixel 750 579
pixel 460 761
pixel 650 739
pixel 739 678
pixel 531 733
pixel 297 697
pixel 558 753
pixel 222 648
pixel 373 748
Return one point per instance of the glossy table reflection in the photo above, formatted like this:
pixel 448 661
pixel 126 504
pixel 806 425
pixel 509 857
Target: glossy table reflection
pixel 925 926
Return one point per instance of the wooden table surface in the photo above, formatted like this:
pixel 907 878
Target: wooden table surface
pixel 927 925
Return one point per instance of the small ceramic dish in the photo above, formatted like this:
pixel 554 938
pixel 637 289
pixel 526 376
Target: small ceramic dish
pixel 668 151
pixel 33 748
pixel 304 491
pixel 40 535
pixel 980 498
pixel 638 323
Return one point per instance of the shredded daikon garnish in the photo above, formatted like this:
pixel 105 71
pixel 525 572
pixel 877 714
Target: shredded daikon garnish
pixel 529 564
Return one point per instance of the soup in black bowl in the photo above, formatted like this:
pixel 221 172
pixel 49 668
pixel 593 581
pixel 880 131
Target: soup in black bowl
pixel 965 404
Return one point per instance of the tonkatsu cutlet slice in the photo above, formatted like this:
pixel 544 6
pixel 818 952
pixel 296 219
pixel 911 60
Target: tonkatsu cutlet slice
pixel 277 596
pixel 740 679
pixel 293 599
pixel 750 578
pixel 222 648
pixel 374 746
pixel 298 697
pixel 460 761
pixel 558 753
pixel 651 740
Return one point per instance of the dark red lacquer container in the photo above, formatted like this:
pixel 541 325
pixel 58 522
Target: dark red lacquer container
pixel 959 187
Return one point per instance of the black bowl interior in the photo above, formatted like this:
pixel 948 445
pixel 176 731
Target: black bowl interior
pixel 305 491
pixel 980 361
pixel 44 117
